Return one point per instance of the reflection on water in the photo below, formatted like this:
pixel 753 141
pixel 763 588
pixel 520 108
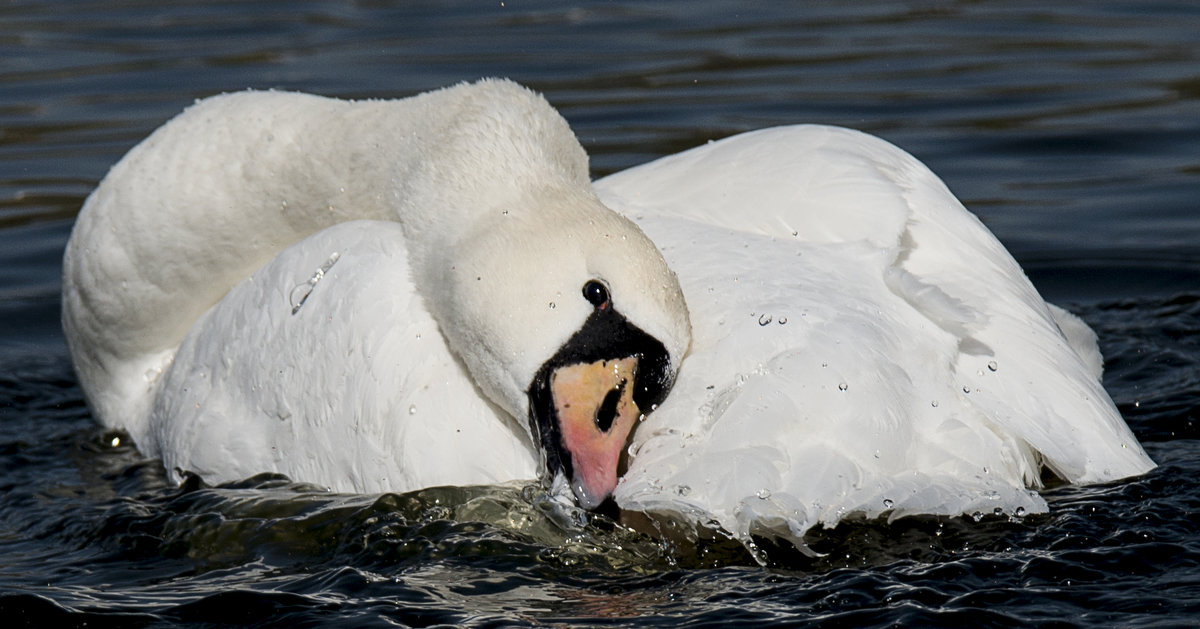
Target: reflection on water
pixel 1070 129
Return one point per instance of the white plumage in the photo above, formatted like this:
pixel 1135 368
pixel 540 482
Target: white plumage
pixel 859 342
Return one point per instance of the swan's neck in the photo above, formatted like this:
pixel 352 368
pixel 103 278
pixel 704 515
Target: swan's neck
pixel 224 187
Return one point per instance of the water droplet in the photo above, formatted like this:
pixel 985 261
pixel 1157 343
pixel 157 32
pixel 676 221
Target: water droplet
pixel 934 403
pixel 763 493
pixel 301 292
pixel 782 320
pixel 992 366
pixel 298 295
pixel 504 212
pixel 887 503
pixel 116 441
pixel 977 516
pixel 412 409
pixel 1020 512
pixel 764 319
pixel 966 389
pixel 683 490
pixel 553 305
pixel 998 511
pixel 842 386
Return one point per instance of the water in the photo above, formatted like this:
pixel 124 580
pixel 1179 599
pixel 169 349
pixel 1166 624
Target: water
pixel 1072 129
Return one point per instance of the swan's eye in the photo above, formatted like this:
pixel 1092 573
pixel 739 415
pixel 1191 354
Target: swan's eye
pixel 596 293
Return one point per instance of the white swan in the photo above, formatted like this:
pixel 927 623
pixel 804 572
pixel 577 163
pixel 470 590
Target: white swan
pixel 859 344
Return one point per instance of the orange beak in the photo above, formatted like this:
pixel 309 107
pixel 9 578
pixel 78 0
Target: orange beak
pixel 596 413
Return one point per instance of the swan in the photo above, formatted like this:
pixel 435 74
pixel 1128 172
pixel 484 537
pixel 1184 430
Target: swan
pixel 763 334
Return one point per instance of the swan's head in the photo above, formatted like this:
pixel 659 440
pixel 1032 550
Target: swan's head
pixel 567 314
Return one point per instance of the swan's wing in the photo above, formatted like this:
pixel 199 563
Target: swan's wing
pixel 1054 400
pixel 918 369
pixel 324 365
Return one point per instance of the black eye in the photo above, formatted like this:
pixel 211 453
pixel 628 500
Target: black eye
pixel 596 293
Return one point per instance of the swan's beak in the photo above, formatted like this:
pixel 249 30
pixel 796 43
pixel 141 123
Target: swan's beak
pixel 596 412
pixel 585 401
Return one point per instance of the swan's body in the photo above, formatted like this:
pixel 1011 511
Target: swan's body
pixel 359 381
pixel 861 343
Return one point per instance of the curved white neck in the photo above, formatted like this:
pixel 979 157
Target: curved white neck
pixel 220 190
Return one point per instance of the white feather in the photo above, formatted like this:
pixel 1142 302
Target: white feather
pixel 861 345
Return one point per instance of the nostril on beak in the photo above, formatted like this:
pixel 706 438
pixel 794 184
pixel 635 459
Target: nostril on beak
pixel 607 411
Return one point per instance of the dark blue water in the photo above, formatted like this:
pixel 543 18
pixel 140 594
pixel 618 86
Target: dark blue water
pixel 1072 129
